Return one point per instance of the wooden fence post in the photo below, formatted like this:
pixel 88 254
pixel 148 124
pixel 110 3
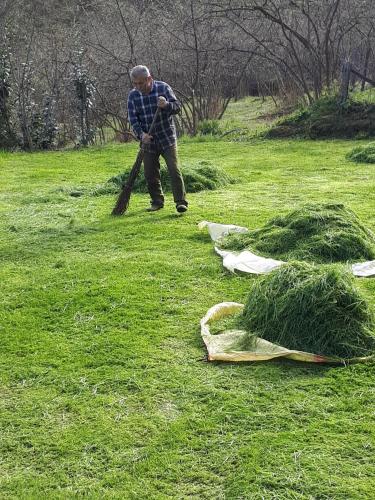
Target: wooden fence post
pixel 345 79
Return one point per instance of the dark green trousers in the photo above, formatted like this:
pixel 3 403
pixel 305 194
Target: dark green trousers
pixel 152 174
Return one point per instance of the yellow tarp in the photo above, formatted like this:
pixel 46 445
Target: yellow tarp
pixel 222 346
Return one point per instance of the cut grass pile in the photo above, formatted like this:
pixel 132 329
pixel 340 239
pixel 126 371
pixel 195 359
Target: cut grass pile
pixel 197 177
pixel 311 308
pixel 363 154
pixel 319 233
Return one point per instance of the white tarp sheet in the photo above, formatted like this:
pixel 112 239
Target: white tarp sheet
pixel 249 262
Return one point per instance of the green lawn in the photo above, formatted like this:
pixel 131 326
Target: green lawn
pixel 252 113
pixel 104 388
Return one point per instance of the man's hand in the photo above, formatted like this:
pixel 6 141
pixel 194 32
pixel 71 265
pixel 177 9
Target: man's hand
pixel 162 102
pixel 146 138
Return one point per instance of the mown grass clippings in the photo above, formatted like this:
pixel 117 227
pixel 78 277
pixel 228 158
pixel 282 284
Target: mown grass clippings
pixel 362 154
pixel 311 308
pixel 321 233
pixel 96 190
pixel 197 177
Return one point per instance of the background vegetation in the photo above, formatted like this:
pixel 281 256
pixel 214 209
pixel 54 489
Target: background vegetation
pixel 64 66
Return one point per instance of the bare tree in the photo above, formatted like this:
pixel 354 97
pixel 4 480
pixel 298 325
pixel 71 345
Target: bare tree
pixel 208 50
pixel 308 37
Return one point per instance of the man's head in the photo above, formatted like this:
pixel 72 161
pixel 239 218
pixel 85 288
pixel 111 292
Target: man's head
pixel 141 79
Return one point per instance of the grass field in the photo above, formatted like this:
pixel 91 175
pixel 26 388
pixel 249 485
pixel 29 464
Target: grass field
pixel 104 388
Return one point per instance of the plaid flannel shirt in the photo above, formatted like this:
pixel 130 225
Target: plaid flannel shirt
pixel 141 110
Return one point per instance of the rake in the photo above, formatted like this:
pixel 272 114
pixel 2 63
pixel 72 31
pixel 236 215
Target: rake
pixel 124 197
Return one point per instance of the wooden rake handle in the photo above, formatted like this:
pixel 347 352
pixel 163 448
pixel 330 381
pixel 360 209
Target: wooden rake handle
pixel 152 127
pixel 124 196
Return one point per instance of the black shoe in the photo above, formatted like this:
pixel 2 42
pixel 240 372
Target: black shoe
pixel 181 208
pixel 154 208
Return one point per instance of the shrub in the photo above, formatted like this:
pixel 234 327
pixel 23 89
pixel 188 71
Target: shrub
pixel 209 127
pixel 327 118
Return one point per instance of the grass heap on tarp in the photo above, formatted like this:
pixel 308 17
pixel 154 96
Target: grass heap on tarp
pixel 327 118
pixel 363 154
pixel 197 177
pixel 311 308
pixel 319 233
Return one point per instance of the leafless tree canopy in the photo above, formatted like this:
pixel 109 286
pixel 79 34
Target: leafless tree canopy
pixel 209 51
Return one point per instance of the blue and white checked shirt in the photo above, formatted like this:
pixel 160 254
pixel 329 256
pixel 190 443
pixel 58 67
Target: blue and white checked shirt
pixel 141 110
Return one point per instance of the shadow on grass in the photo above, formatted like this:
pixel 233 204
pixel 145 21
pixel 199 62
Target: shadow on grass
pixel 155 216
pixel 28 243
pixel 201 237
pixel 148 216
pixel 291 368
pixel 68 231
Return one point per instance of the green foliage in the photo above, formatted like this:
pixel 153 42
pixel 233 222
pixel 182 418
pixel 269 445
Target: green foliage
pixel 296 117
pixel 311 308
pixel 362 154
pixel 50 127
pixel 315 232
pixel 43 126
pixel 197 177
pixel 84 89
pixel 367 95
pixel 36 123
pixel 326 118
pixel 209 127
pixel 8 138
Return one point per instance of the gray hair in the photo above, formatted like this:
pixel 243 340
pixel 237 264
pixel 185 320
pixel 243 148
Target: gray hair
pixel 139 71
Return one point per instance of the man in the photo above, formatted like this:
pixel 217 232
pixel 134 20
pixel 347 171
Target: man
pixel 143 100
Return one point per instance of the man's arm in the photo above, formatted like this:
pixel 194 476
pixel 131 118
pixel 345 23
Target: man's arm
pixel 174 106
pixel 133 118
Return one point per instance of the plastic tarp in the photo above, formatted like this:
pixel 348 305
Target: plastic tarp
pixel 224 346
pixel 249 262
